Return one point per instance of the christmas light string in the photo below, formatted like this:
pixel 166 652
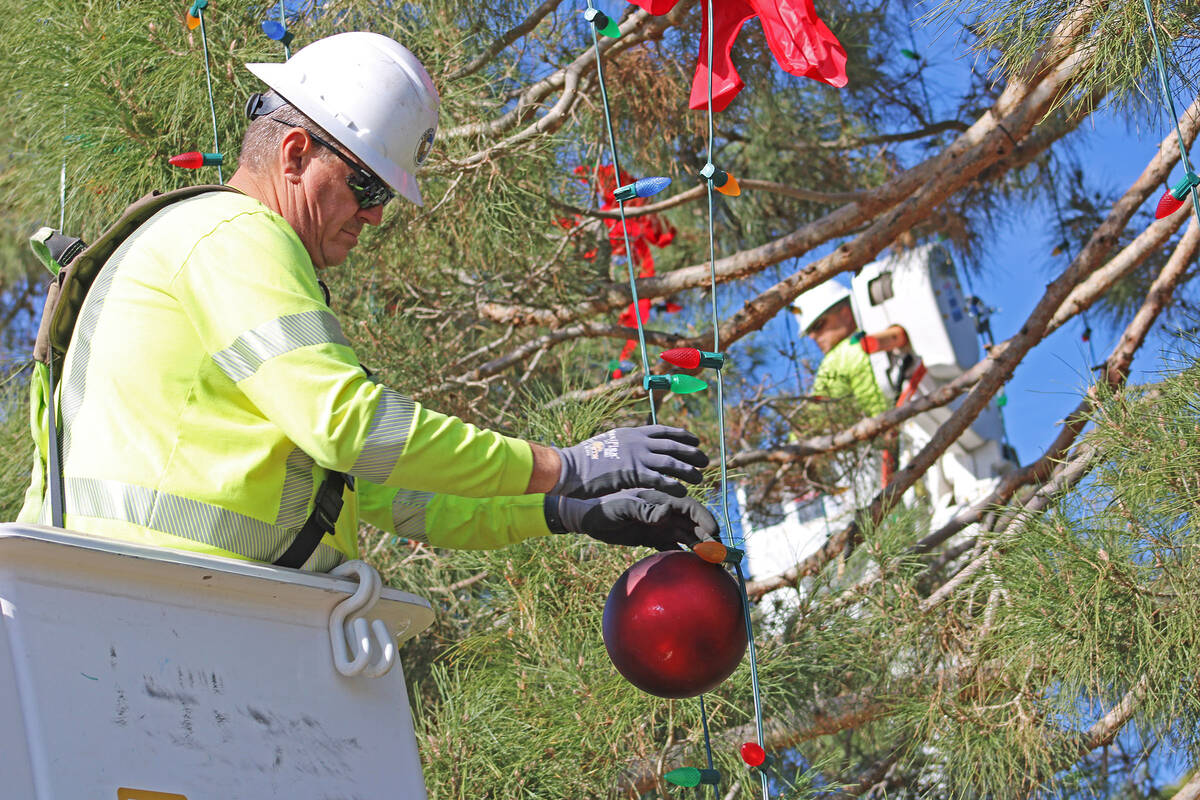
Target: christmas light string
pixel 709 172
pixel 1173 197
pixel 62 177
pixel 719 180
pixel 198 11
pixel 597 20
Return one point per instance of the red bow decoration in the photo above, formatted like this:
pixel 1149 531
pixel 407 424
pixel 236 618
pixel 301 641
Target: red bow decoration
pixel 802 44
pixel 645 230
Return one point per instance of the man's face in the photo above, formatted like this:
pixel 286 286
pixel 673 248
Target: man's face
pixel 831 327
pixel 328 219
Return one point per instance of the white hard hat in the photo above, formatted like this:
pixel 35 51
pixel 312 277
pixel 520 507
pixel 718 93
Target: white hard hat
pixel 816 301
pixel 371 94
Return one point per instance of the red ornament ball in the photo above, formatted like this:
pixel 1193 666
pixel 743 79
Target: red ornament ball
pixel 753 755
pixel 673 625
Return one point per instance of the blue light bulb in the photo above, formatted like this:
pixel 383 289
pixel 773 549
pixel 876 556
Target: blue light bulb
pixel 642 187
pixel 275 30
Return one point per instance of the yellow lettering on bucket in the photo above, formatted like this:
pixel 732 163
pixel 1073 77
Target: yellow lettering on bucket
pixel 125 793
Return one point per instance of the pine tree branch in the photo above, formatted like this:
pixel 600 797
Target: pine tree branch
pixel 895 205
pixel 822 718
pixel 1100 734
pixel 742 265
pixel 872 776
pixel 1190 790
pixel 996 369
pixel 587 330
pixel 510 36
pixel 1080 299
pixel 1116 370
pixel 697 192
pixel 640 27
pixel 886 138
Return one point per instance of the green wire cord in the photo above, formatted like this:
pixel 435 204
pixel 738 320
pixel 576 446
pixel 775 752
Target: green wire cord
pixel 612 145
pixel 212 107
pixel 1169 104
pixel 720 401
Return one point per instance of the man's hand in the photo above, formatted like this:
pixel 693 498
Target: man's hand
pixel 634 517
pixel 648 457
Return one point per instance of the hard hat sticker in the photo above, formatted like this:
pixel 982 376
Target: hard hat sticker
pixel 125 793
pixel 424 147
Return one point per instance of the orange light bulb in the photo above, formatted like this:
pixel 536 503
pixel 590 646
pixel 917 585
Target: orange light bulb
pixel 712 552
pixel 729 187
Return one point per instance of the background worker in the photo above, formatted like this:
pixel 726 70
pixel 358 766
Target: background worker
pixel 210 401
pixel 827 317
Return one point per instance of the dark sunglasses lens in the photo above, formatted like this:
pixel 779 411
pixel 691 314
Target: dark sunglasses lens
pixel 369 191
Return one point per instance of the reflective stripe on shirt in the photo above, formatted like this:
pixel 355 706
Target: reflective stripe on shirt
pixel 386 437
pixel 187 519
pixel 408 514
pixel 271 339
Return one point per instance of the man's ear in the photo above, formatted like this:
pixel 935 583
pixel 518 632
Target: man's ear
pixel 295 152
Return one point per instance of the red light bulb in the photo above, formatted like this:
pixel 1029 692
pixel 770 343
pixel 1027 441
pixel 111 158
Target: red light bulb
pixel 684 357
pixel 1167 205
pixel 753 755
pixel 196 160
pixel 192 160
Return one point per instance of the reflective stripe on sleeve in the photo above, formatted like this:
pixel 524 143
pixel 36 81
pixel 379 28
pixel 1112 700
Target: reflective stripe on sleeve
pixel 297 490
pixel 255 347
pixel 85 328
pixel 188 519
pixel 386 437
pixel 408 513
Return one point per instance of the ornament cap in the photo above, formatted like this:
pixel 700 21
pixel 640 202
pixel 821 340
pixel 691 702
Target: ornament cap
pixel 1185 185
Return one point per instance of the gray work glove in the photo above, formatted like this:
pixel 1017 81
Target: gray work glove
pixel 634 517
pixel 648 457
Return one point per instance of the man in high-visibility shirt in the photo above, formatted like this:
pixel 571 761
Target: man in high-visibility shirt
pixel 210 401
pixel 827 317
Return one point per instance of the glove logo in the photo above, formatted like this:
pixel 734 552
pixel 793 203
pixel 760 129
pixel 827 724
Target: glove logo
pixel 604 446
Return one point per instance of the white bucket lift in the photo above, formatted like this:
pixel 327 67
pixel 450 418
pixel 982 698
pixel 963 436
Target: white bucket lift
pixel 918 290
pixel 132 673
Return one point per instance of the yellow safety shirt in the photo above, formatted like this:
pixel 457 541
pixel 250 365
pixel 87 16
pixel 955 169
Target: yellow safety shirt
pixel 208 387
pixel 846 372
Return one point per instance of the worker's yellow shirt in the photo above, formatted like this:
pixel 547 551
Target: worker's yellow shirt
pixel 208 388
pixel 846 372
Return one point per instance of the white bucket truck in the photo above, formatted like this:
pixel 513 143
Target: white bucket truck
pixel 918 290
pixel 131 673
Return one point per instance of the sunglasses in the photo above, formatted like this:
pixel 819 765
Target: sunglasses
pixel 368 189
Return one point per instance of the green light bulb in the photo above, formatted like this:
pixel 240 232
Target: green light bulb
pixel 679 384
pixel 686 384
pixel 689 777
pixel 606 25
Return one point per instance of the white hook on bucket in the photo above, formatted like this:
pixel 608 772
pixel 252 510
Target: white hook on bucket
pixel 352 634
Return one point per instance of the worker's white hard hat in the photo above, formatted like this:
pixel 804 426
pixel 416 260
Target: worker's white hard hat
pixel 371 94
pixel 815 302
